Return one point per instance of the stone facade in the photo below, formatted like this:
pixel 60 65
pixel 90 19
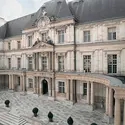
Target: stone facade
pixel 53 58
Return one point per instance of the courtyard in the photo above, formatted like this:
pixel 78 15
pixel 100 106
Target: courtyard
pixel 20 111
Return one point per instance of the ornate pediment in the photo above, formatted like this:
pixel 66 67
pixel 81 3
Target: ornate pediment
pixel 43 45
pixel 43 22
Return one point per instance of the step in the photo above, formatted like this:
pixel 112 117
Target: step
pixel 10 119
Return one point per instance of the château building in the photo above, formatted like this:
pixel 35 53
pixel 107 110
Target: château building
pixel 69 51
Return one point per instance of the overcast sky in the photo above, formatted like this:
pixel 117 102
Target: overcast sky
pixel 12 9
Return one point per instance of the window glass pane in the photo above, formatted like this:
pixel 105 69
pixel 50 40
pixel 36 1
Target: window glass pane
pixel 44 63
pixel 61 87
pixel 112 63
pixel 112 33
pixel 86 36
pixel 29 40
pixel 61 36
pixel 60 63
pixel 87 63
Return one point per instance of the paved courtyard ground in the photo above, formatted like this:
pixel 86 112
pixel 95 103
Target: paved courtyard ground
pixel 20 111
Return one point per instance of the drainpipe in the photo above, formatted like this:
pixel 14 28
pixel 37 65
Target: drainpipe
pixel 54 70
pixel 74 81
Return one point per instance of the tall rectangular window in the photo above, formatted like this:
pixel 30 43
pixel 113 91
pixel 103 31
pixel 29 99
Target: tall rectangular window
pixel 61 36
pixel 30 63
pixel 84 88
pixel 44 63
pixel 29 41
pixel 44 37
pixel 30 81
pixel 9 45
pixel 87 63
pixel 86 36
pixel 112 33
pixel 61 63
pixel 9 63
pixel 61 87
pixel 18 45
pixel 18 63
pixel 112 63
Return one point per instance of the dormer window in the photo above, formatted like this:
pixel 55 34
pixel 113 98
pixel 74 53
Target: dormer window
pixel 112 33
pixel 9 45
pixel 86 36
pixel 61 36
pixel 29 41
pixel 18 45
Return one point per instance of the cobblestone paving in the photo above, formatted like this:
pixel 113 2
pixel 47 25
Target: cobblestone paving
pixel 23 105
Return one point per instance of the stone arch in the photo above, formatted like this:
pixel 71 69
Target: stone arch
pixel 44 87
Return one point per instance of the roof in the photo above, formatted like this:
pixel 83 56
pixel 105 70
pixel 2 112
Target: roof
pixel 114 81
pixel 16 26
pixel 95 10
pixel 56 8
pixel 83 11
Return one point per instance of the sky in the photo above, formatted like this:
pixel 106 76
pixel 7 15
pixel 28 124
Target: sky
pixel 12 9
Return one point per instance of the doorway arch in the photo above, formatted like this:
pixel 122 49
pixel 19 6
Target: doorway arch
pixel 44 87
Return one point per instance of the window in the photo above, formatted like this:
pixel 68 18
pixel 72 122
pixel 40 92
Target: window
pixel 112 63
pixel 84 88
pixel 9 63
pixel 61 87
pixel 43 37
pixel 61 36
pixel 61 63
pixel 29 41
pixel 18 63
pixel 44 63
pixel 30 63
pixel 18 44
pixel 87 63
pixel 30 81
pixel 9 45
pixel 112 33
pixel 86 36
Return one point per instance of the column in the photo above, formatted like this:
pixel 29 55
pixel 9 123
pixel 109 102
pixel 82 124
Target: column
pixel 33 61
pixel 10 87
pixel 117 119
pixel 38 62
pixel 12 81
pixel 52 61
pixel 107 101
pixel 24 83
pixel 21 83
pixel 48 61
pixel 37 82
pixel 49 87
pixel 124 114
pixel 92 94
pixel 67 89
pixel 71 90
pixel 110 103
pixel 53 89
pixel 88 92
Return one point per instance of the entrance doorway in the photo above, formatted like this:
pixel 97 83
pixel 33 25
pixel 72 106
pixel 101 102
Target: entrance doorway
pixel 45 87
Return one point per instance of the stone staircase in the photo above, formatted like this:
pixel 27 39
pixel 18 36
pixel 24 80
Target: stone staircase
pixel 10 119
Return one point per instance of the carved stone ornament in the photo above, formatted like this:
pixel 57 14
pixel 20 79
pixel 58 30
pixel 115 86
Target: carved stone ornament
pixel 43 22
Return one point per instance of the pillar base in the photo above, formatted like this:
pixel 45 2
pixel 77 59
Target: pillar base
pixel 51 98
pixel 10 90
pixel 109 119
pixel 92 107
pixel 23 93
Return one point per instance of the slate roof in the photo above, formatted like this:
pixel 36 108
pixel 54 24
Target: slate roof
pixel 57 8
pixel 96 10
pixel 83 11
